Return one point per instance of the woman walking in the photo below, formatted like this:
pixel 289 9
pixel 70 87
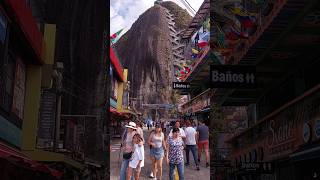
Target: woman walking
pixel 127 148
pixel 158 146
pixel 175 154
pixel 137 161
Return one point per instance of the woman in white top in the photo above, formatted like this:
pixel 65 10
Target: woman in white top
pixel 158 146
pixel 137 160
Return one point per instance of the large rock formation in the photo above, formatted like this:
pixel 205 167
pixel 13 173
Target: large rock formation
pixel 147 51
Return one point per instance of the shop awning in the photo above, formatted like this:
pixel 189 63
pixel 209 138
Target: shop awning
pixel 128 112
pixel 11 154
pixel 112 110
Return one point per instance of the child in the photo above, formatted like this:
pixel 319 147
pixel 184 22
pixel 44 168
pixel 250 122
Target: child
pixel 137 160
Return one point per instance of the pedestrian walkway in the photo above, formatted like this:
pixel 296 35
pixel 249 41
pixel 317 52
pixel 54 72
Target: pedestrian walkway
pixel 190 171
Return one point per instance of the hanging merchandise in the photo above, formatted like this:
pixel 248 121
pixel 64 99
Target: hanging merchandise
pixel 187 69
pixel 224 51
pixel 232 43
pixel 232 36
pixel 260 3
pixel 194 56
pixel 206 24
pixel 202 44
pixel 247 23
pixel 194 51
pixel 242 35
pixel 238 11
pixel 220 37
pixel 203 39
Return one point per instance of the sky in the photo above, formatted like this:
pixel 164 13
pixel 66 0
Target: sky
pixel 123 13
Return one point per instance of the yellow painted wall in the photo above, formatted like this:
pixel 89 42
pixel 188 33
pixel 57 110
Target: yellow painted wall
pixel 31 108
pixel 121 86
pixel 50 41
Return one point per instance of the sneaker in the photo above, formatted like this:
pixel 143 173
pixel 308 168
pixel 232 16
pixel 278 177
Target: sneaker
pixel 187 164
pixel 207 164
pixel 151 175
pixel 198 168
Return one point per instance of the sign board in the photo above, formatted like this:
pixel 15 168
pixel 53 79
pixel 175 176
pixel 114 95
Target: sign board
pixel 221 163
pixel 258 167
pixel 317 128
pixel 181 85
pixel 232 76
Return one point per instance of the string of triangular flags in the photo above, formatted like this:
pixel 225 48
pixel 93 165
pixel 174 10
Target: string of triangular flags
pixel 225 39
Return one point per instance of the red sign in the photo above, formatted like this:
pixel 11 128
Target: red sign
pixel 28 25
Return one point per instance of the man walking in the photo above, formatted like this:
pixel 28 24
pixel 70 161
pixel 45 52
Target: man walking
pixel 181 131
pixel 191 136
pixel 203 141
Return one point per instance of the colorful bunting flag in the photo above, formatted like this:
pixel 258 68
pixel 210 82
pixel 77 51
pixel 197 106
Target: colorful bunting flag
pixel 247 23
pixel 206 24
pixel 239 12
pixel 114 37
pixel 202 44
pixel 194 51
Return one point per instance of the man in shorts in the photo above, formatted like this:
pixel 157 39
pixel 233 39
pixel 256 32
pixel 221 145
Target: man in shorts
pixel 203 141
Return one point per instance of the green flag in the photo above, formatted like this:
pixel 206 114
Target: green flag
pixel 114 37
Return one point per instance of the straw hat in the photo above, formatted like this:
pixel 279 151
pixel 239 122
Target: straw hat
pixel 132 125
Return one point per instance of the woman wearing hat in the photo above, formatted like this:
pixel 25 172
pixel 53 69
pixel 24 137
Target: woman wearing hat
pixel 128 148
pixel 158 146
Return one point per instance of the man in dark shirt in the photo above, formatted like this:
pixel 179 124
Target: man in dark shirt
pixel 203 141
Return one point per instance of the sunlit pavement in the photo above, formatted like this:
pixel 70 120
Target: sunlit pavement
pixel 190 171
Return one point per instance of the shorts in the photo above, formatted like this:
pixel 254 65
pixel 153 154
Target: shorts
pixel 203 144
pixel 157 153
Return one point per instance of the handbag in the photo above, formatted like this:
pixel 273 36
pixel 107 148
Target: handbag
pixel 127 155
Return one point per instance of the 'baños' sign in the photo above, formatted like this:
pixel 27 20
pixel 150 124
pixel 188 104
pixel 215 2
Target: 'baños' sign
pixel 232 76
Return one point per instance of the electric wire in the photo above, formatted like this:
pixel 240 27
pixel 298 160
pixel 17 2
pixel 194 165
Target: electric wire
pixel 186 5
pixel 190 6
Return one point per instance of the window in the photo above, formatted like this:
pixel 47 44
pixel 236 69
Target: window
pixel 7 80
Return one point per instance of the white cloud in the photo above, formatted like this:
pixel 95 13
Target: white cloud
pixel 123 13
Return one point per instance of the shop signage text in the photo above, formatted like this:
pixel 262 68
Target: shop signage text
pixel 221 163
pixel 258 167
pixel 282 136
pixel 181 85
pixel 232 76
pixel 281 133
